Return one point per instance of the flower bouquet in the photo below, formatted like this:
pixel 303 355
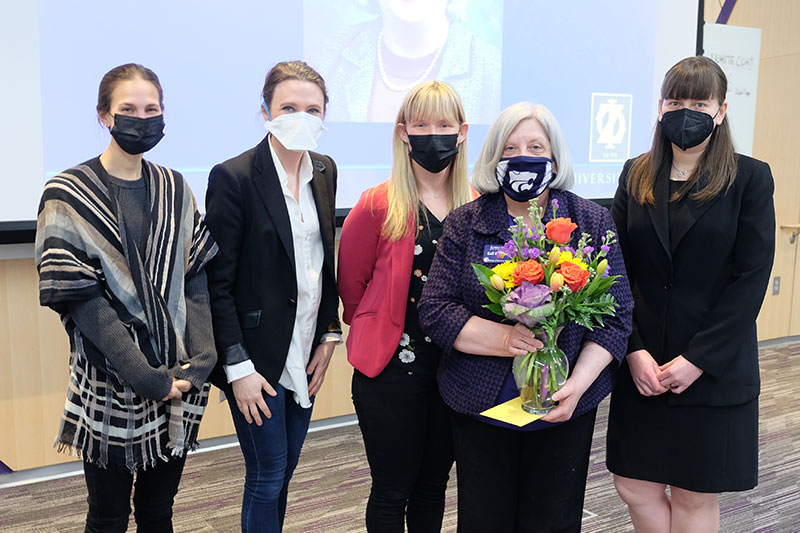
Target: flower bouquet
pixel 545 284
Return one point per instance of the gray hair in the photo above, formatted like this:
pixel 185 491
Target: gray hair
pixel 483 173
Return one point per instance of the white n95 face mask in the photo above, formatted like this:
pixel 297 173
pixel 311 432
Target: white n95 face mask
pixel 296 131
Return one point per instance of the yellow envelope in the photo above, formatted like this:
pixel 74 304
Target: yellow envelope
pixel 511 412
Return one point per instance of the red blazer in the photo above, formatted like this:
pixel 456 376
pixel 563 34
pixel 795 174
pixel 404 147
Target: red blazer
pixel 373 279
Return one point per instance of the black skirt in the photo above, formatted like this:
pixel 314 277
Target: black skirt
pixel 697 448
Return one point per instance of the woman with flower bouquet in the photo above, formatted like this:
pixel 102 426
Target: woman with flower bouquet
pixel 697 229
pixel 388 242
pixel 545 285
pixel 533 477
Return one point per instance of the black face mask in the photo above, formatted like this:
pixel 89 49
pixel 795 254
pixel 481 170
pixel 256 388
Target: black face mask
pixel 686 128
pixel 433 152
pixel 137 135
pixel 524 178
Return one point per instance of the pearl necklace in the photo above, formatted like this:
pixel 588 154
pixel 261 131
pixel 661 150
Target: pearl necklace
pixel 397 88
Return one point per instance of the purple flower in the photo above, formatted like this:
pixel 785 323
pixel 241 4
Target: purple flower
pixel 530 295
pixel 525 252
pixel 507 250
pixel 587 250
pixel 605 248
pixel 529 304
pixel 534 253
pixel 569 249
pixel 555 203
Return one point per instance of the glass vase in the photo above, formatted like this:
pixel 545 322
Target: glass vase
pixel 540 374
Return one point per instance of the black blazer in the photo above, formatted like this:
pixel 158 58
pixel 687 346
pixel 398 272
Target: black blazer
pixel 701 298
pixel 252 280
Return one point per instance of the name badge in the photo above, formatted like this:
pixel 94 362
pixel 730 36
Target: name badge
pixel 490 254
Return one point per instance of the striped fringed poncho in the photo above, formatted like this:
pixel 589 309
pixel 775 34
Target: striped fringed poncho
pixel 82 252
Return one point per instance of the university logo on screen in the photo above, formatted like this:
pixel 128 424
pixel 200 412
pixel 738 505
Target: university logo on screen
pixel 610 139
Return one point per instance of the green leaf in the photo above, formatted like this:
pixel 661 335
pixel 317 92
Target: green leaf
pixel 495 308
pixel 484 274
pixel 493 295
pixel 601 285
pixel 583 320
pixel 484 277
pixel 598 285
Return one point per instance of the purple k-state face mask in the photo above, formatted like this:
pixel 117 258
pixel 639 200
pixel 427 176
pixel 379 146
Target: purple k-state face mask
pixel 524 178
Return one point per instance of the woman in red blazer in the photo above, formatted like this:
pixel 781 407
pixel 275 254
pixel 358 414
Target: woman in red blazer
pixel 387 245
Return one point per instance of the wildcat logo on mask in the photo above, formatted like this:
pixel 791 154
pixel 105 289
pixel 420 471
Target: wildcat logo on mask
pixel 523 178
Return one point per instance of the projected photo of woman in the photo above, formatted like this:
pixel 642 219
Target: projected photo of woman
pixel 371 64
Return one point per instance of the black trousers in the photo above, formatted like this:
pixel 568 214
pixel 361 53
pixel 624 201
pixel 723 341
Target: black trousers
pixel 521 481
pixel 407 436
pixel 110 496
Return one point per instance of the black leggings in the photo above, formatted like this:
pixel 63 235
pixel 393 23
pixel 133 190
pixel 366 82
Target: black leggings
pixel 407 436
pixel 521 481
pixel 110 496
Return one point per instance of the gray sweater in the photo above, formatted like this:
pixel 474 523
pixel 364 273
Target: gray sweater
pixel 100 323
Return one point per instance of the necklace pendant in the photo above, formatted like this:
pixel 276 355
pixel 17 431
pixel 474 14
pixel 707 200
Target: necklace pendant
pixel 681 173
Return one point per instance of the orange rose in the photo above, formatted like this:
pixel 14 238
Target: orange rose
pixel 574 276
pixel 530 271
pixel 560 229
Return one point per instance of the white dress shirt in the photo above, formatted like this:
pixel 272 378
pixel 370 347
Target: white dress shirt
pixel 309 256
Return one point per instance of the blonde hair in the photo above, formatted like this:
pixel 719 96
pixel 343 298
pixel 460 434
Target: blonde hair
pixel 483 174
pixel 430 99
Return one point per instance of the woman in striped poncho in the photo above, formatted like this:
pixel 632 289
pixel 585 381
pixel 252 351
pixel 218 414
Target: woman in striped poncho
pixel 121 249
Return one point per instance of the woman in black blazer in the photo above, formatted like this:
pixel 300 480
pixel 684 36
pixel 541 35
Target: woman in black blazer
pixel 697 229
pixel 273 287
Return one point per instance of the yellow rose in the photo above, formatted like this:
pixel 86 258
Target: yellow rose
pixel 556 282
pixel 554 255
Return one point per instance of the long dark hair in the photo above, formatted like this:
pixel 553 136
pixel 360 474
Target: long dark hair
pixel 697 78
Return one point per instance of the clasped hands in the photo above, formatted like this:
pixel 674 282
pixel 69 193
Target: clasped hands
pixel 651 379
pixel 179 386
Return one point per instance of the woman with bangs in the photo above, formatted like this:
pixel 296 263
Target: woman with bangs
pixel 697 229
pixel 387 245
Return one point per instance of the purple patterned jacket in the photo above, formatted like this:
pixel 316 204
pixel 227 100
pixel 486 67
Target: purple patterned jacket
pixel 470 383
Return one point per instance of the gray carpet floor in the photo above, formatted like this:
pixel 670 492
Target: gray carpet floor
pixel 331 484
